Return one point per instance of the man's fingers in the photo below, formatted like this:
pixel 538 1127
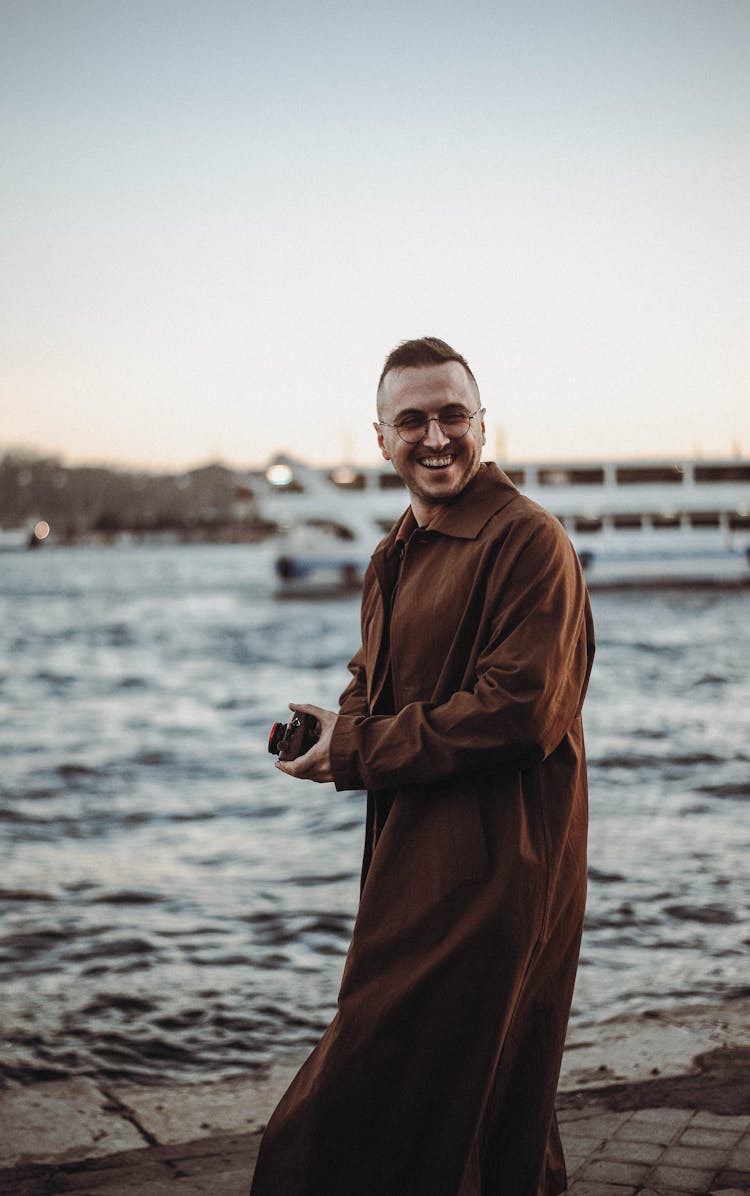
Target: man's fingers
pixel 315 764
pixel 300 765
pixel 306 708
pixel 314 774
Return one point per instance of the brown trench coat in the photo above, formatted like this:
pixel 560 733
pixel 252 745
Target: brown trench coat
pixel 437 1076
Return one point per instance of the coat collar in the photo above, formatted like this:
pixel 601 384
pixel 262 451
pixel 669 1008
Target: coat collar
pixel 463 518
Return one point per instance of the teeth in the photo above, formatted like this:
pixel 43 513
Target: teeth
pixel 434 462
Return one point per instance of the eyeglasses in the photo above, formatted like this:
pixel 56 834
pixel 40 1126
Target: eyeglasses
pixel 454 424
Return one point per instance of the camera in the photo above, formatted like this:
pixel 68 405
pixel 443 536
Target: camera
pixel 293 739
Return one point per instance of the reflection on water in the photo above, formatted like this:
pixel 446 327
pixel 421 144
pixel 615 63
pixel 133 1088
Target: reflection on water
pixel 174 907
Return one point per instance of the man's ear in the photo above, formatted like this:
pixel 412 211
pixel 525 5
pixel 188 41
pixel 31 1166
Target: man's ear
pixel 381 442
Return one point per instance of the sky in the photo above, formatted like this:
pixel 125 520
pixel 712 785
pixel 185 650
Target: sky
pixel 217 218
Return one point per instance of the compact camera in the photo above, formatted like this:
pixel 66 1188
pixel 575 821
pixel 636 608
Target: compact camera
pixel 293 739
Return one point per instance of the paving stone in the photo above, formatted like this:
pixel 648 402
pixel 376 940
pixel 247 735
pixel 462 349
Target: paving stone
pixel 699 1157
pixel 194 1111
pixel 728 1192
pixel 154 1188
pixel 720 1122
pixel 62 1120
pixel 221 1183
pixel 739 1158
pixel 672 1117
pixel 686 1179
pixel 210 1164
pixel 216 1167
pixel 646 1131
pixel 675 1120
pixel 205 1147
pixel 584 1188
pixel 610 1171
pixel 638 1047
pixel 626 1151
pixel 118 1186
pixel 573 1164
pixel 664 1192
pixel 698 1135
pixel 583 1131
pixel 598 1125
pixel 582 1146
pixel 137 1175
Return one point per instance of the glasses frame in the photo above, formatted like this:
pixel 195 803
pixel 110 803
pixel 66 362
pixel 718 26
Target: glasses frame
pixel 428 419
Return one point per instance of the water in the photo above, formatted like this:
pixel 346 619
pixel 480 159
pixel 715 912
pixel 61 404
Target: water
pixel 175 909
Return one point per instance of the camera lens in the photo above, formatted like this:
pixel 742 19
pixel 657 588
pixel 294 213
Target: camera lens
pixel 278 731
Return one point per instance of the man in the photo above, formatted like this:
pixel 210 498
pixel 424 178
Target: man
pixel 437 1076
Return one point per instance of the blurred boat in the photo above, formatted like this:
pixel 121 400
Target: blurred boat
pixel 634 524
pixel 329 522
pixel 12 539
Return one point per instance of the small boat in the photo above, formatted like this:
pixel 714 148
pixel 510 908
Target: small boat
pixel 321 560
pixel 32 536
pixel 634 524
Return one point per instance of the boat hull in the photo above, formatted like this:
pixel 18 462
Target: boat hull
pixel 634 525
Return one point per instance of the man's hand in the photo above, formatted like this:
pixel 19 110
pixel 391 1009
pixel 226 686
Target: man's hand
pixel 315 765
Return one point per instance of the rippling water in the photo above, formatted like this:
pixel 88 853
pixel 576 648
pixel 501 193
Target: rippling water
pixel 172 907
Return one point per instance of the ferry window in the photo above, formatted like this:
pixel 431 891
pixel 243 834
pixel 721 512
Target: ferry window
pixel 704 518
pixel 665 520
pixel 571 477
pixel 634 475
pixel 347 479
pixel 582 524
pixel 389 481
pixel 734 472
pixel 586 477
pixel 516 476
pixel 624 522
pixel 334 529
pixel 739 522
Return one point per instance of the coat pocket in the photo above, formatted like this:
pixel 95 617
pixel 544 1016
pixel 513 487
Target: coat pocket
pixel 443 837
pixel 470 862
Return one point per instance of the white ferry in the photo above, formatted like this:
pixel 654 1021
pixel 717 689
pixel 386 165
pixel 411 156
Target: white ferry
pixel 633 523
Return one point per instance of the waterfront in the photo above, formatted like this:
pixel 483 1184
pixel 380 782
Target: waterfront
pixel 175 909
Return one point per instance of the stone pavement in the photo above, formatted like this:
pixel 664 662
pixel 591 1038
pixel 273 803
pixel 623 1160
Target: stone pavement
pixel 219 1166
pixel 649 1106
pixel 642 1152
pixel 655 1152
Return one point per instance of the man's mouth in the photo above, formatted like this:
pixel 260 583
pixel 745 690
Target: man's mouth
pixel 437 462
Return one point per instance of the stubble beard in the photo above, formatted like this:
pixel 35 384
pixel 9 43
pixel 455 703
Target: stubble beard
pixel 427 495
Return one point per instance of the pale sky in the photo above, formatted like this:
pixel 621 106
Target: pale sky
pixel 216 219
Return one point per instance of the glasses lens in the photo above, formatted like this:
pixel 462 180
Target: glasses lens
pixel 454 424
pixel 412 429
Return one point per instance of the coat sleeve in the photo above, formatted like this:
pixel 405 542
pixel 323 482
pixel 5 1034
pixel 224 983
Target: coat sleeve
pixel 531 675
pixel 353 701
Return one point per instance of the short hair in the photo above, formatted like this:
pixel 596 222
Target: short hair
pixel 424 351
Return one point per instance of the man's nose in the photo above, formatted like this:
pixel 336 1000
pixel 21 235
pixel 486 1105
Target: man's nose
pixel 434 436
